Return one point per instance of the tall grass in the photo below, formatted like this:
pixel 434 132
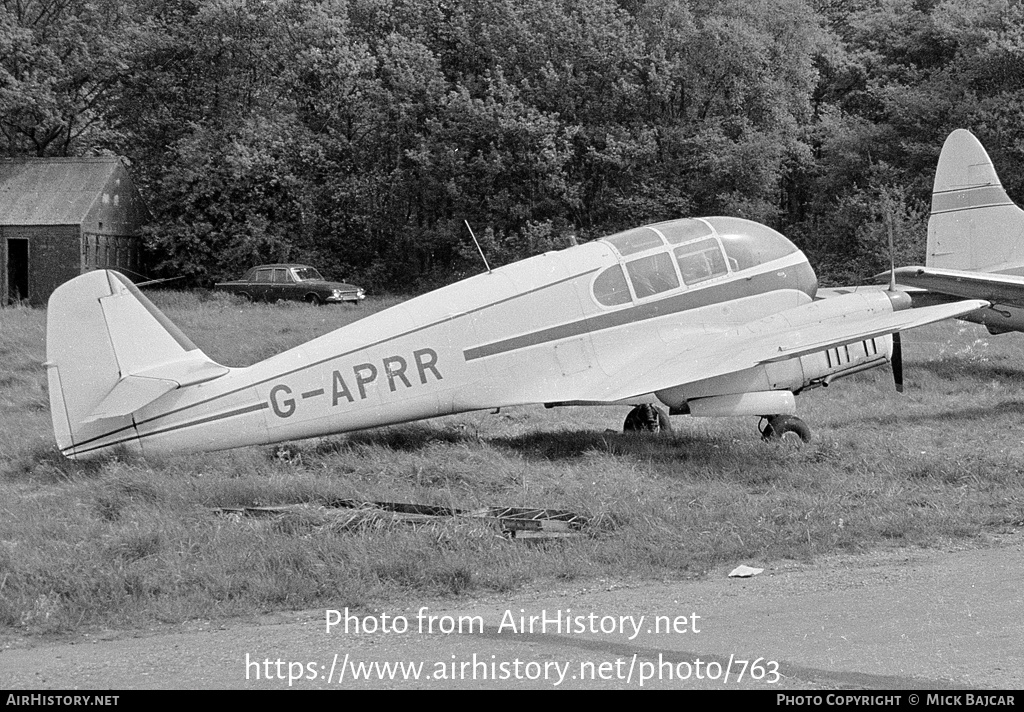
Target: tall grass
pixel 129 541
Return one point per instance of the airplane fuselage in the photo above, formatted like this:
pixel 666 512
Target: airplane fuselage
pixel 538 331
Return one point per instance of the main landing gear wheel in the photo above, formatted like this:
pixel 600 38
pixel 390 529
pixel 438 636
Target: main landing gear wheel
pixel 784 427
pixel 647 418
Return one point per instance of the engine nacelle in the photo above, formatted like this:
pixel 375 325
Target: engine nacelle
pixel 768 389
pixel 823 367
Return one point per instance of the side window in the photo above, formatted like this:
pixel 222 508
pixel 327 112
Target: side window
pixel 699 261
pixel 739 255
pixel 610 288
pixel 263 276
pixel 281 276
pixel 652 275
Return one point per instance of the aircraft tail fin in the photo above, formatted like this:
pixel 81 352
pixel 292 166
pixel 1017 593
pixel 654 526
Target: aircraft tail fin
pixel 973 225
pixel 109 353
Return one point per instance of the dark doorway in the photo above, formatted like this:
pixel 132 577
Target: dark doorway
pixel 17 270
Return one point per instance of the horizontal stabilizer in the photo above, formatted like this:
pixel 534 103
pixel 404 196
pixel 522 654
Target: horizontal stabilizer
pixel 139 389
pixel 193 367
pixel 129 395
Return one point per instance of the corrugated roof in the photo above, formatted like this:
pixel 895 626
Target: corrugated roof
pixel 51 191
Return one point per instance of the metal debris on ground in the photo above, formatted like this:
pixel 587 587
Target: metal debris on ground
pixel 348 515
pixel 744 571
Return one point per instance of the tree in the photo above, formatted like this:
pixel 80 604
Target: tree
pixel 61 62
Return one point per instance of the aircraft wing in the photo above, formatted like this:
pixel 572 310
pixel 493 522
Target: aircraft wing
pixel 997 288
pixel 806 329
pixel 832 292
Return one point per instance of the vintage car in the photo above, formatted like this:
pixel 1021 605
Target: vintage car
pixel 290 281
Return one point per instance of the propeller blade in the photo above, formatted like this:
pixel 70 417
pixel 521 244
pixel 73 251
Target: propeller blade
pixel 897 361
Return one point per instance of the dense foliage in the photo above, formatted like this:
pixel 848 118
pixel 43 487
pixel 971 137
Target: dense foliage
pixel 360 134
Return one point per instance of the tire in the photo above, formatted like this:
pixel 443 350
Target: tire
pixel 314 300
pixel 646 418
pixel 785 427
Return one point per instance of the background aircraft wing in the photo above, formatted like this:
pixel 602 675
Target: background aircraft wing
pixel 806 329
pixel 1001 288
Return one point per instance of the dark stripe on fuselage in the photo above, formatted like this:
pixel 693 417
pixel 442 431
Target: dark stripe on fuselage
pixel 451 317
pixel 201 421
pixel 981 196
pixel 735 288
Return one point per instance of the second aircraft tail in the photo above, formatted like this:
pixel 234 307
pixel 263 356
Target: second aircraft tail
pixel 973 225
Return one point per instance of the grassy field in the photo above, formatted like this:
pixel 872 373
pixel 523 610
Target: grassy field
pixel 130 543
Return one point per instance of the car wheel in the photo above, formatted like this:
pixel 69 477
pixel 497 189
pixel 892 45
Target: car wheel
pixel 314 300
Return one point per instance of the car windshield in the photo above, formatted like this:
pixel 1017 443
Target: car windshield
pixel 307 274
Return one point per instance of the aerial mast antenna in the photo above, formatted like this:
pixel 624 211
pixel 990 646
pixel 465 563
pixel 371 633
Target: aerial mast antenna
pixel 477 243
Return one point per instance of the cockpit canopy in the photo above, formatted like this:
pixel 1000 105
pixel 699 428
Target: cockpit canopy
pixel 751 243
pixel 687 251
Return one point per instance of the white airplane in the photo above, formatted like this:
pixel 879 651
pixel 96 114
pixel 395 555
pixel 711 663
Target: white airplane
pixel 709 317
pixel 975 239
